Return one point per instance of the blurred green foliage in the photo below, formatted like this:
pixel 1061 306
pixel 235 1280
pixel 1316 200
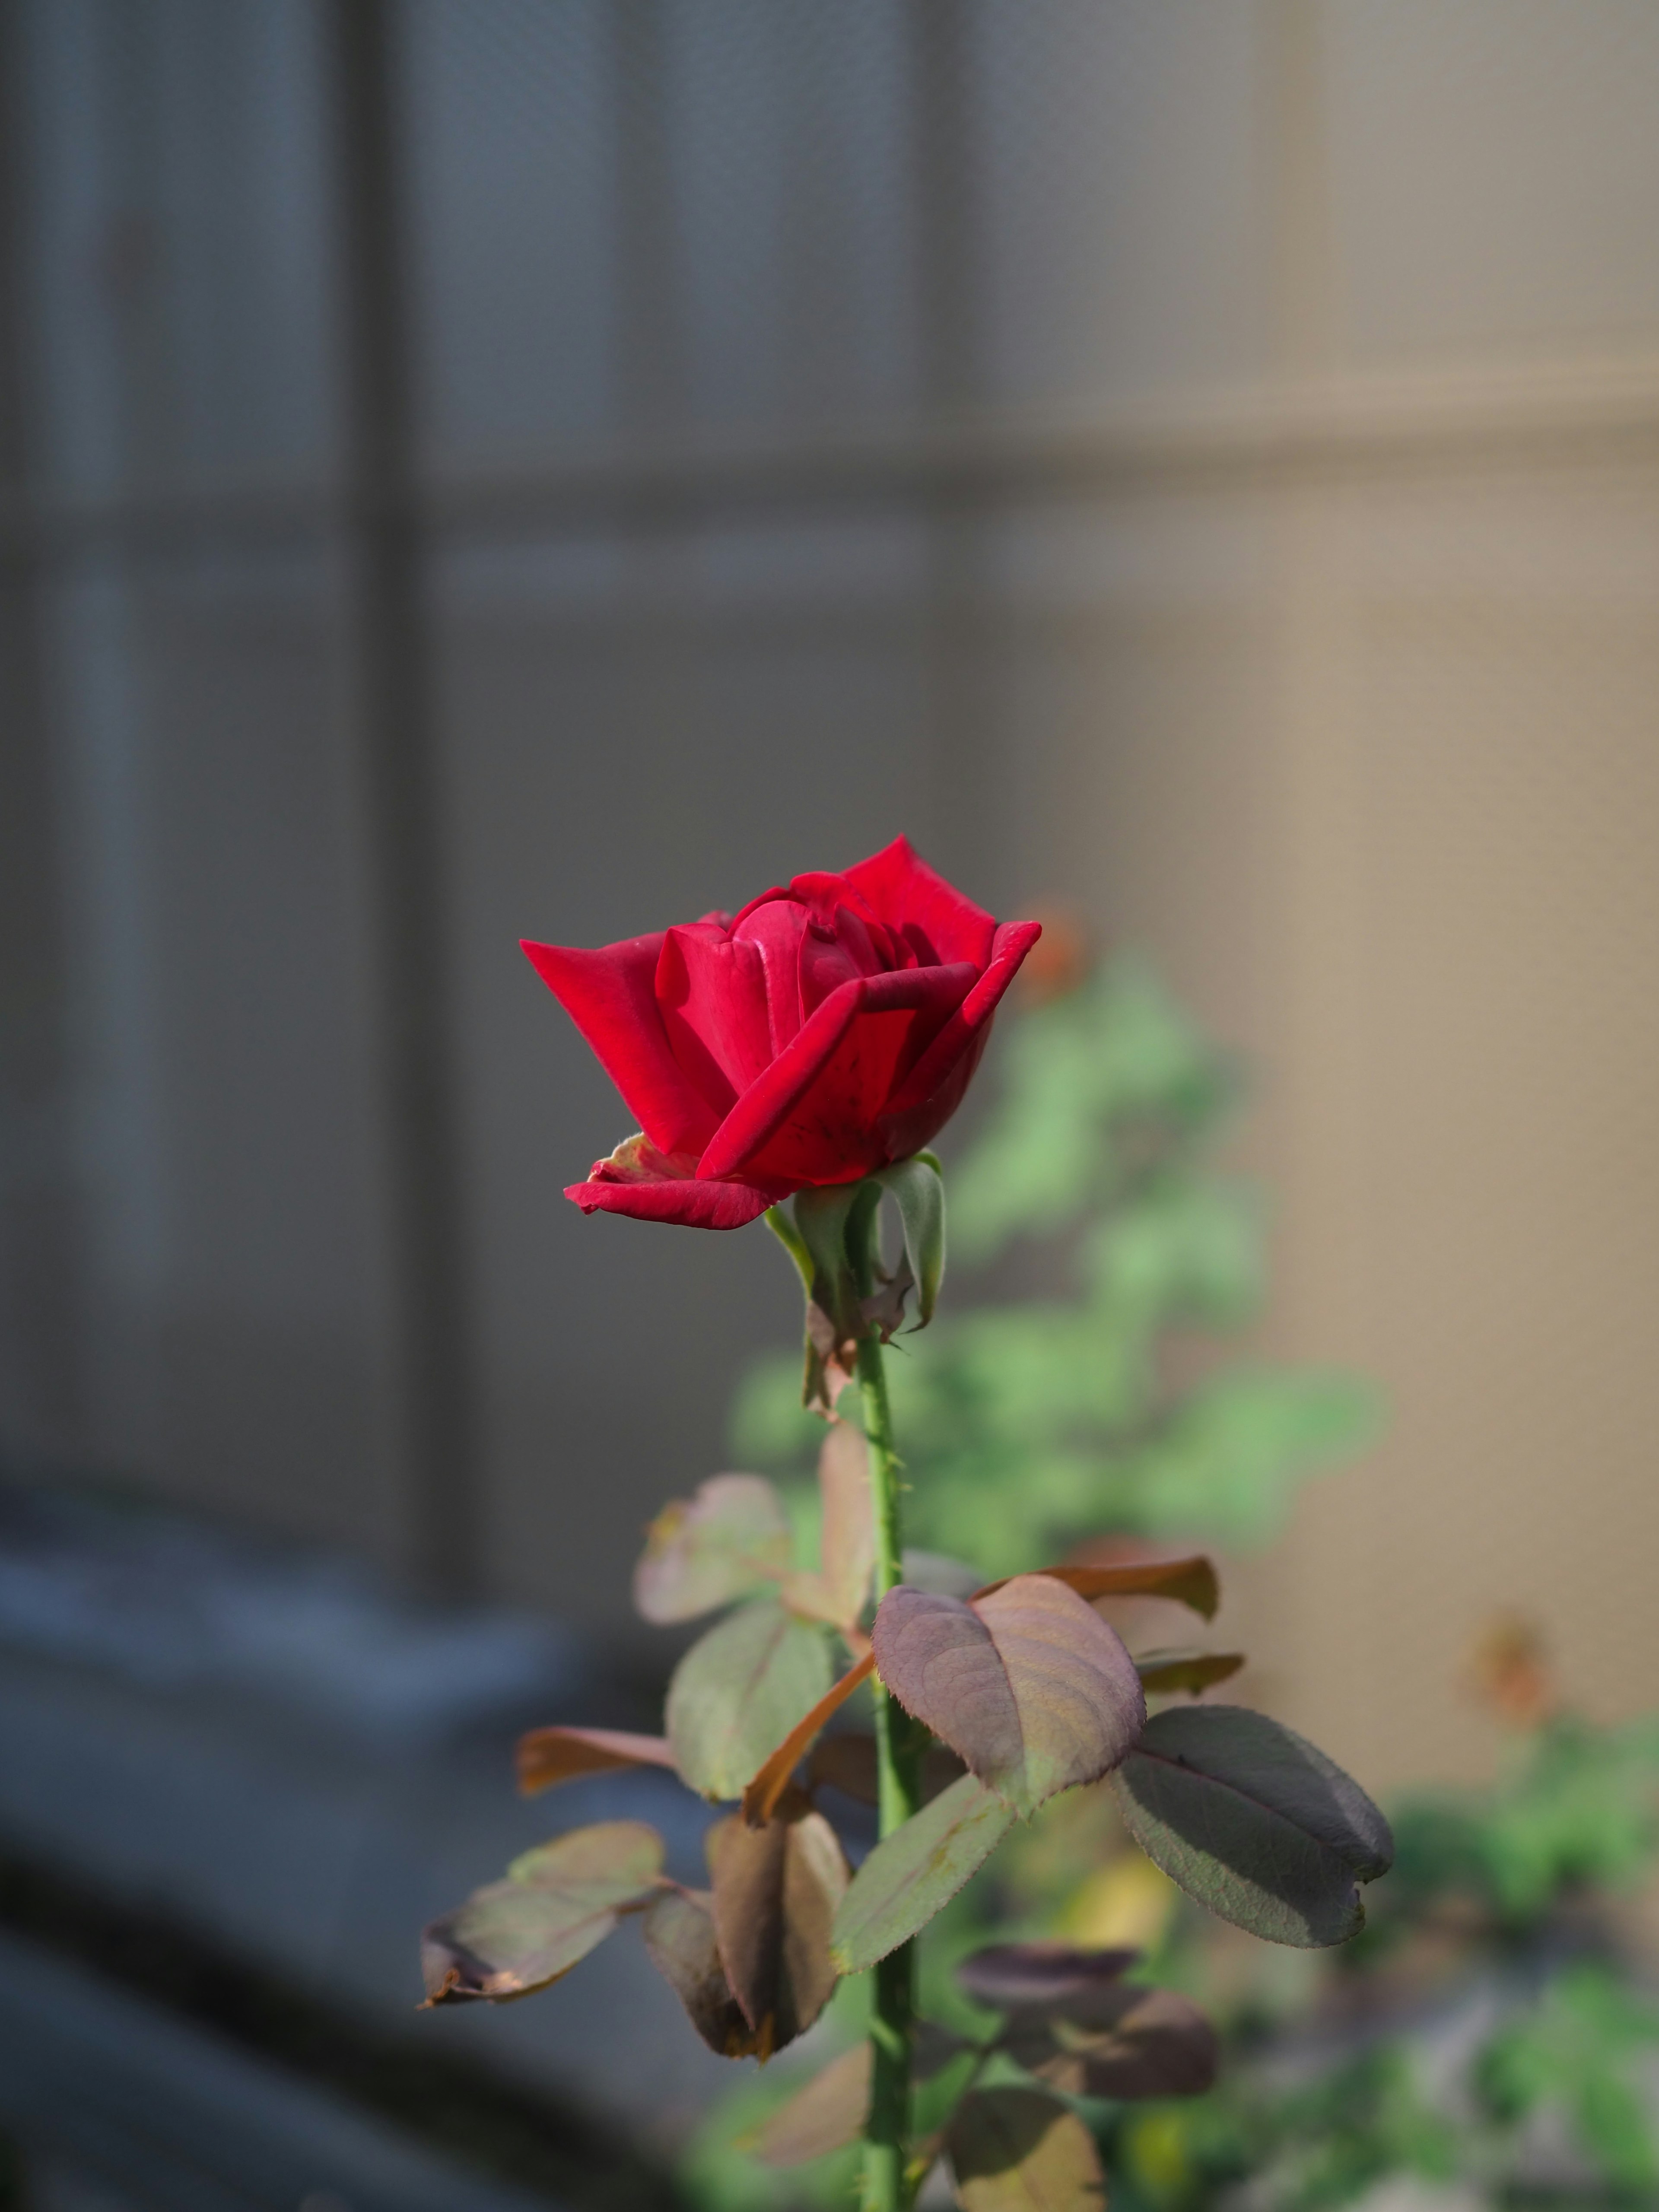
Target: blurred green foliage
pixel 1025 1426
pixel 1576 1814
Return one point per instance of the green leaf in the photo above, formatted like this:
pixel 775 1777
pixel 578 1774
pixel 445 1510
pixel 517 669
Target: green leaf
pixel 729 1540
pixel 827 2114
pixel 1016 2150
pixel 918 1189
pixel 1584 2047
pixel 918 1868
pixel 1254 1822
pixel 740 1690
pixel 776 1889
pixel 1120 2042
pixel 1027 1684
pixel 679 1936
pixel 556 1903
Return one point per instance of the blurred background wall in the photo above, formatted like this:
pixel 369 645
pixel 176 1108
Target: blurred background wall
pixel 485 468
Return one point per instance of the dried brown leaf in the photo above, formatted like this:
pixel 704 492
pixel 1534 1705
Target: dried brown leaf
pixel 776 1889
pixel 679 1936
pixel 550 1755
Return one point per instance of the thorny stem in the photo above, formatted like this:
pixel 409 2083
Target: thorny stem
pixel 886 2135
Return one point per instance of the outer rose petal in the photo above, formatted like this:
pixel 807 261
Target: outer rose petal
pixel 687 1204
pixel 934 1090
pixel 901 888
pixel 749 1128
pixel 610 995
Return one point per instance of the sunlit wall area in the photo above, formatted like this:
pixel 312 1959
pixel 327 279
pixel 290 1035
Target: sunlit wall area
pixel 1196 460
pixel 1353 725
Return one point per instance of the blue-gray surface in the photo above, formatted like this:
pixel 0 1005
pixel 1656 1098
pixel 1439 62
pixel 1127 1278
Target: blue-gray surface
pixel 168 2119
pixel 283 1756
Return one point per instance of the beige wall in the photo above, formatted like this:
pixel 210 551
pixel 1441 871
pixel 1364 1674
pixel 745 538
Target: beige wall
pixel 1359 734
pixel 1285 592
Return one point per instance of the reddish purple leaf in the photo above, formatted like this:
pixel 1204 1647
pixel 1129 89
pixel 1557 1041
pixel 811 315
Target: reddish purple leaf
pixel 1130 2042
pixel 1045 1976
pixel 1027 1683
pixel 729 1540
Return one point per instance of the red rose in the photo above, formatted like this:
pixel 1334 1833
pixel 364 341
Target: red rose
pixel 829 1031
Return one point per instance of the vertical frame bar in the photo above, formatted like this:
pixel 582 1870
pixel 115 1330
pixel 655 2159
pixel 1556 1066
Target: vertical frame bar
pixel 40 1225
pixel 960 617
pixel 397 734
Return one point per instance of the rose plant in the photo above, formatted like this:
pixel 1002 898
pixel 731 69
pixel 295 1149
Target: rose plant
pixel 793 1062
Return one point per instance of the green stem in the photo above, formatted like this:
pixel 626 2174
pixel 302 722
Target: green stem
pixel 886 2136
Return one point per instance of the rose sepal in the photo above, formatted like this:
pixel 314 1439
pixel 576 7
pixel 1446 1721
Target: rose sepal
pixel 834 1238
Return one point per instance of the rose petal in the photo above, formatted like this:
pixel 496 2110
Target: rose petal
pixel 610 995
pixel 825 964
pixel 686 1205
pixel 711 994
pixel 870 945
pixel 1014 939
pixel 902 888
pixel 760 1115
pixel 775 928
pixel 822 893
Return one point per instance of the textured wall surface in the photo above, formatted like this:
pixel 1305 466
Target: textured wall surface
pixel 1199 461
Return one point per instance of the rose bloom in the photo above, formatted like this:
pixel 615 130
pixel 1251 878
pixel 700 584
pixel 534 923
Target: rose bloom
pixel 825 1032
